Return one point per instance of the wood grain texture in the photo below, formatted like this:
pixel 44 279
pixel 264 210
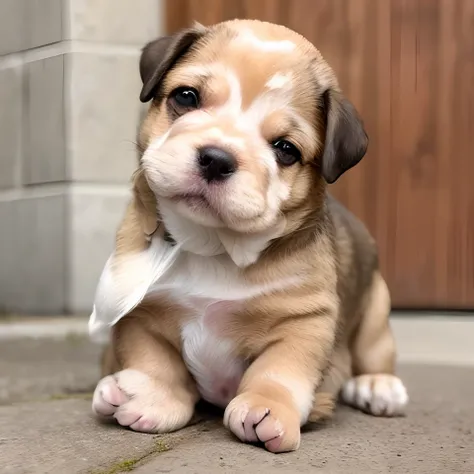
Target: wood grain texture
pixel 432 158
pixel 408 66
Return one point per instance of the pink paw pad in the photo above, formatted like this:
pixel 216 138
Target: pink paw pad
pixel 256 425
pixel 144 425
pixel 138 402
pixel 108 397
pixel 270 432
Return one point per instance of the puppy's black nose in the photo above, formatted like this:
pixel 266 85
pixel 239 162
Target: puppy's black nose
pixel 216 164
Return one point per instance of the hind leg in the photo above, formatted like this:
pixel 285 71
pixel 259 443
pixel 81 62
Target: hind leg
pixel 374 387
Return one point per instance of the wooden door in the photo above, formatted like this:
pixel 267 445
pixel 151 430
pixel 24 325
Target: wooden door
pixel 408 66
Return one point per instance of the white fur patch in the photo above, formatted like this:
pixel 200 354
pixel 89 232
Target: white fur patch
pixel 158 141
pixel 265 104
pixel 125 282
pixel 215 133
pixel 279 81
pixel 243 249
pixel 234 102
pixel 216 278
pixel 164 268
pixel 212 362
pixel 268 46
pixel 269 101
pixel 378 394
pixel 139 402
pixel 192 237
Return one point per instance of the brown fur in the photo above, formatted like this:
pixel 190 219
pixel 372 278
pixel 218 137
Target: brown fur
pixel 335 323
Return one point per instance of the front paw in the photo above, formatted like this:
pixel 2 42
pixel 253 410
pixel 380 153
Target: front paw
pixel 140 403
pixel 254 418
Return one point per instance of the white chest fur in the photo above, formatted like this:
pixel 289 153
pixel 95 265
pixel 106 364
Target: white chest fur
pixel 212 287
pixel 210 356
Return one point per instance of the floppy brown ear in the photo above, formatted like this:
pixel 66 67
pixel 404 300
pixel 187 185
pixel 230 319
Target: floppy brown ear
pixel 160 55
pixel 346 140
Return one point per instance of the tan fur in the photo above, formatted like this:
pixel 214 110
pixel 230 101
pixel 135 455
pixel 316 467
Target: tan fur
pixel 334 323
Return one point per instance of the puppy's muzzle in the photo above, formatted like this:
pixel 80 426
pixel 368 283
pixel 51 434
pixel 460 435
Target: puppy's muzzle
pixel 216 164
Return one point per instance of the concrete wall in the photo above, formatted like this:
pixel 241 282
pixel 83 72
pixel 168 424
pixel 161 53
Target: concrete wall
pixel 69 108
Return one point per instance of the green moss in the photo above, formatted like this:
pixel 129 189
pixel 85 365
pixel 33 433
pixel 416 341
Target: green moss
pixel 128 465
pixel 123 466
pixel 161 446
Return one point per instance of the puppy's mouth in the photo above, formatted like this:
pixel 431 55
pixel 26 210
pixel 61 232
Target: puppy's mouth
pixel 214 206
pixel 197 205
pixel 194 201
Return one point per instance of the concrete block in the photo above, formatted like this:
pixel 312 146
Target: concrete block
pixel 13 17
pixel 32 255
pixel 94 217
pixel 45 159
pixel 115 21
pixel 44 22
pixel 10 126
pixel 103 110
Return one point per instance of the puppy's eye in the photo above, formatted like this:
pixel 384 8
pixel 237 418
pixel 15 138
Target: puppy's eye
pixel 286 153
pixel 185 97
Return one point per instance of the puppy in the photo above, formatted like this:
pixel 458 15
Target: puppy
pixel 235 277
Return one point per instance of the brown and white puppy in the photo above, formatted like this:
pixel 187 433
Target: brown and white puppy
pixel 235 277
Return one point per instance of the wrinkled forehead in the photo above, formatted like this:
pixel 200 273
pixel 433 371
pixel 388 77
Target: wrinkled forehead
pixel 244 65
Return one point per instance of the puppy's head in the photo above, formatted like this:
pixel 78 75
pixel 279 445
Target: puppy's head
pixel 246 124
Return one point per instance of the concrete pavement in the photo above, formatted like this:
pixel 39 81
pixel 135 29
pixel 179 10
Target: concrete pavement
pixel 38 369
pixel 46 426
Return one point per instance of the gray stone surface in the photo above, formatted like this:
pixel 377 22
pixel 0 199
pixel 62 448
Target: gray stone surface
pixel 12 25
pixel 45 369
pixel 435 437
pixel 434 338
pixel 103 110
pixel 32 254
pixel 11 125
pixel 44 20
pixel 45 159
pixel 95 215
pixel 59 436
pixel 114 21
